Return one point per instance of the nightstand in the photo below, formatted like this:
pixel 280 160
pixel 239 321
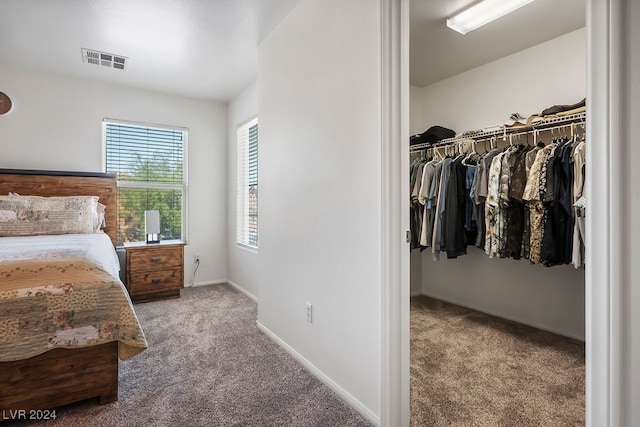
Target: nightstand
pixel 154 271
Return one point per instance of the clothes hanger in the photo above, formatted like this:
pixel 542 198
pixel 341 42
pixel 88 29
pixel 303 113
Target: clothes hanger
pixel 455 148
pixel 438 153
pixel 460 149
pixel 536 139
pixel 470 158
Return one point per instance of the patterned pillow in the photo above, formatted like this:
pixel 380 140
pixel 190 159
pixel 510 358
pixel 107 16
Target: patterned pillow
pixel 99 216
pixel 34 215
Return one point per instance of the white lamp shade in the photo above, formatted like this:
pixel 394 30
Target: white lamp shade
pixel 151 222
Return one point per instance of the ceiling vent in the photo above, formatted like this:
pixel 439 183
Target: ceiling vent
pixel 105 59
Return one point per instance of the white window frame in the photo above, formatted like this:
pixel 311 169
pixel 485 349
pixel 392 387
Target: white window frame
pixel 243 234
pixel 141 184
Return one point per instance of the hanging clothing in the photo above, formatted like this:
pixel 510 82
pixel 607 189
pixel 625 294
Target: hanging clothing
pixel 536 185
pixel 552 250
pixel 492 211
pixel 579 237
pixel 440 207
pixel 579 205
pixel 516 223
pixel 415 218
pixel 480 195
pixel 426 231
pixel 453 236
pixel 516 202
pixel 470 223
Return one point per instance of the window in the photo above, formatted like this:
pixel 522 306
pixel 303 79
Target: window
pixel 247 184
pixel 149 163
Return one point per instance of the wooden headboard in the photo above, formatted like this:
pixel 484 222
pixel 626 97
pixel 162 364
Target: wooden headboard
pixel 56 183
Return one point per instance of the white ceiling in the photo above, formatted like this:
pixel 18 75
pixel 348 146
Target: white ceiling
pixel 208 48
pixel 196 48
pixel 437 52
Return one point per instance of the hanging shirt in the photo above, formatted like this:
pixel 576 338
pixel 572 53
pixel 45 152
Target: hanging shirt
pixel 439 217
pixel 427 175
pixel 557 210
pixel 536 186
pixel 426 232
pixel 492 204
pixel 579 204
pixel 453 236
pixel 579 238
pixel 579 158
pixel 470 216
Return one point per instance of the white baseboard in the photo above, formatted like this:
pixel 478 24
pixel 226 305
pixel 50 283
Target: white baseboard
pixel 224 282
pixel 355 403
pixel 243 290
pixel 210 282
pixel 496 313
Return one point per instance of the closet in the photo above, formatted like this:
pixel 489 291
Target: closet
pixel 550 298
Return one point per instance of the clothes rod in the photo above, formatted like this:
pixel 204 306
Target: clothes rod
pixel 545 125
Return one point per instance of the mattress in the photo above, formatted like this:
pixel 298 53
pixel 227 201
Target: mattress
pixel 96 248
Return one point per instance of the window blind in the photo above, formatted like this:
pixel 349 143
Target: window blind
pixel 150 170
pixel 247 184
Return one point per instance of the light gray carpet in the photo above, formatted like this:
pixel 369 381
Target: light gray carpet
pixel 209 365
pixel 472 369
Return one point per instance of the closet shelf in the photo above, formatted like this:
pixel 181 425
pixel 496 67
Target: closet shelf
pixel 544 124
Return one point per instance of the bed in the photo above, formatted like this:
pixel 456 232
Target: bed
pixel 65 317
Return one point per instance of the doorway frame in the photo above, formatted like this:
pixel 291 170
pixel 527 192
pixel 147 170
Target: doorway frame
pixel 395 268
pixel 604 290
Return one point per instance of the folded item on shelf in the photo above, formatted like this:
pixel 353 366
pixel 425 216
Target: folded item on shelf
pixel 533 119
pixel 433 134
pixel 516 124
pixel 562 108
pixel 572 111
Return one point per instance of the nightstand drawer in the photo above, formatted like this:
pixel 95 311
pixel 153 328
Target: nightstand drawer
pixel 161 257
pixel 144 281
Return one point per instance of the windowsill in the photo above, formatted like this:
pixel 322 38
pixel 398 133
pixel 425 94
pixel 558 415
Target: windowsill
pixel 247 248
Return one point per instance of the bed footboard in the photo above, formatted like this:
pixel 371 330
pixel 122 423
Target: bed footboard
pixel 59 377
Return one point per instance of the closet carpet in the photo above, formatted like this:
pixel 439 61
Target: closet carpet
pixel 208 365
pixel 473 369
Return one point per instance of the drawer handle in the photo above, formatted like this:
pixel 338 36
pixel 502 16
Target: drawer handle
pixel 156 259
pixel 156 280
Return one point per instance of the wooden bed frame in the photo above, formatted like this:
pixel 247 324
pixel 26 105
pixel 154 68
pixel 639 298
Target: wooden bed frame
pixel 61 376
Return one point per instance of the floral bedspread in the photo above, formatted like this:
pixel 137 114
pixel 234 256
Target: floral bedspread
pixel 63 303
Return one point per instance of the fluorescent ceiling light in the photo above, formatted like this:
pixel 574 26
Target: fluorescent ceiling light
pixel 483 13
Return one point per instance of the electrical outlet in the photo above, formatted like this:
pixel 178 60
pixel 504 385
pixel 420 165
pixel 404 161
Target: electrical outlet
pixel 309 313
pixel 196 259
